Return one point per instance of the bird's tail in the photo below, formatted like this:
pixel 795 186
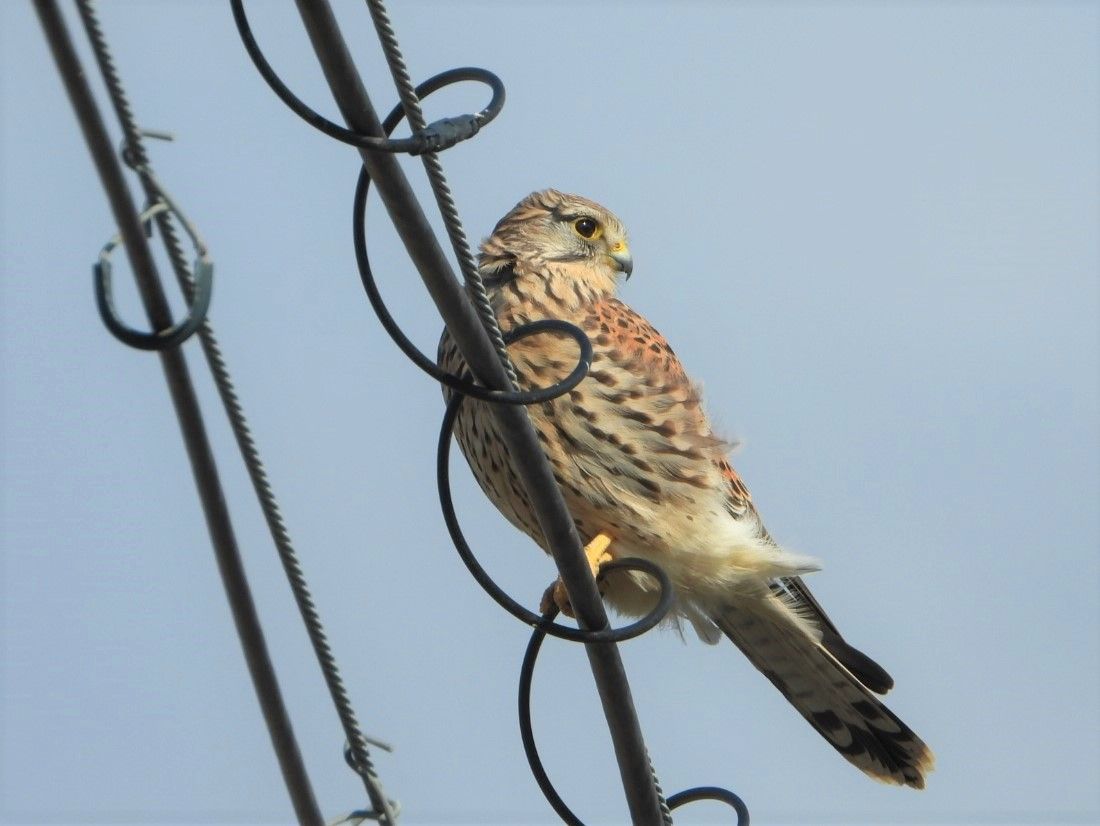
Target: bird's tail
pixel 787 650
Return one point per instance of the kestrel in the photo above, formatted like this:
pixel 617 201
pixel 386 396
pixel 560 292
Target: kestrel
pixel 644 475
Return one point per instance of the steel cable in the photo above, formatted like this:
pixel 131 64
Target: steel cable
pixel 410 101
pixel 187 410
pixel 135 155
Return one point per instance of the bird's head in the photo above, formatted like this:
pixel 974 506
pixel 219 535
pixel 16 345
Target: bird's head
pixel 551 235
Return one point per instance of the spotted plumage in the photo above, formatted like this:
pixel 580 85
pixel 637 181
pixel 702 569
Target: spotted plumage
pixel 637 460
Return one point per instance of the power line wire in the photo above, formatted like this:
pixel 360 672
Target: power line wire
pixel 187 410
pixel 134 152
pixel 474 342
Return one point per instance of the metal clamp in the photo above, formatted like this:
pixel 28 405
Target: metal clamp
pixel 176 334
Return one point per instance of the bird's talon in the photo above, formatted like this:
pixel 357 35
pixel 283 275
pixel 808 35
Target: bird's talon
pixel 598 556
pixel 556 595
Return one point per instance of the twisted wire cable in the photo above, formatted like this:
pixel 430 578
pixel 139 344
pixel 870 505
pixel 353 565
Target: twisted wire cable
pixel 186 406
pixel 442 190
pixel 449 211
pixel 666 812
pixel 136 156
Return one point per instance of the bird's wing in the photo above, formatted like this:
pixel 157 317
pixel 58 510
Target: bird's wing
pixel 665 401
pixel 655 407
pixel 797 596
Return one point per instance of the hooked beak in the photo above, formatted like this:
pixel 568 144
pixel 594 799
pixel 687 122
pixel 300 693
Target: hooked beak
pixel 620 254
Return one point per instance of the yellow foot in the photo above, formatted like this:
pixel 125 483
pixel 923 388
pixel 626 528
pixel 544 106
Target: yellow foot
pixel 596 552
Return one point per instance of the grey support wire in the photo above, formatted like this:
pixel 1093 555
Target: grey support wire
pixel 410 102
pixel 473 341
pixel 188 413
pixel 357 753
pixel 471 333
pixel 134 151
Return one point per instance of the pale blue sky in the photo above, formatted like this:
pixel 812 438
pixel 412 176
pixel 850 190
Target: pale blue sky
pixel 871 231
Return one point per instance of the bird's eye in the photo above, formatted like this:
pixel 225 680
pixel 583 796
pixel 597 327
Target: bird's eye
pixel 587 227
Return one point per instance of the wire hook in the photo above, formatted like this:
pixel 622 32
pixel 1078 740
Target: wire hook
pixel 126 151
pixel 171 336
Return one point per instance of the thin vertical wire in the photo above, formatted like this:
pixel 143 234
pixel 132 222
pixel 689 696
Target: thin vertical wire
pixel 138 158
pixel 187 410
pixel 410 101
